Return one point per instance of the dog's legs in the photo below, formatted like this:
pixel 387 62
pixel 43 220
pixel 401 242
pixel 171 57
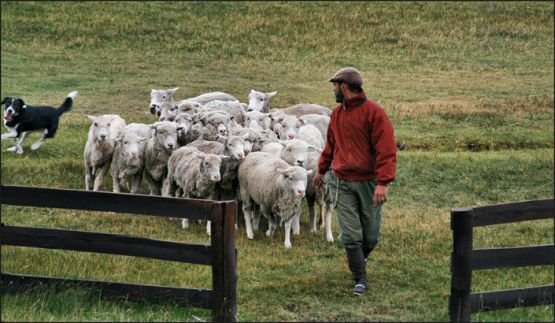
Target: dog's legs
pixel 10 135
pixel 18 144
pixel 39 143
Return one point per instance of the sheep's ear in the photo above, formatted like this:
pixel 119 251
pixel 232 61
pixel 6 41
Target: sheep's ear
pixel 154 125
pixel 141 139
pixel 314 148
pixel 172 91
pixel 309 172
pixel 252 91
pixel 283 171
pixel 92 118
pixel 245 136
pixel 302 121
pixel 152 91
pixel 224 157
pixel 271 94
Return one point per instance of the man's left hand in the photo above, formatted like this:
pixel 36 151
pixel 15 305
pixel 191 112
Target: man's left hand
pixel 380 195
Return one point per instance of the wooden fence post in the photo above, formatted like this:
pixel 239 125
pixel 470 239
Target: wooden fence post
pixel 461 265
pixel 224 267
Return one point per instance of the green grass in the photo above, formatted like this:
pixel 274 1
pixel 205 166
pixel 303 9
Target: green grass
pixel 469 91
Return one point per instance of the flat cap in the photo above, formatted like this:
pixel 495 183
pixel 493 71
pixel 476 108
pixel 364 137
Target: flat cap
pixel 348 75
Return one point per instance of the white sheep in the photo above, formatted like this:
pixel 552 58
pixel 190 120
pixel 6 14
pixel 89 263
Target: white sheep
pixel 311 135
pixel 161 143
pixel 256 138
pixel 259 101
pixel 257 120
pixel 99 148
pixel 159 96
pixel 195 173
pixel 275 187
pixel 319 121
pixel 235 108
pixel 128 159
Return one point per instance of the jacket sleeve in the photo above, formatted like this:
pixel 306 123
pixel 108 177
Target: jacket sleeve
pixel 326 157
pixel 383 140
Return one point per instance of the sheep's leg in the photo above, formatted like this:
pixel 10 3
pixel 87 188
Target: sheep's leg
pixel 255 217
pixel 327 209
pixel 287 242
pixel 247 212
pixel 271 227
pixel 310 203
pixel 39 143
pixel 136 183
pixel 116 188
pixel 88 178
pixel 184 221
pixel 152 184
pixel 296 222
pixel 100 177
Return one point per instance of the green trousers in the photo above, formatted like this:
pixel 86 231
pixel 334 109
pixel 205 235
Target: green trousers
pixel 359 221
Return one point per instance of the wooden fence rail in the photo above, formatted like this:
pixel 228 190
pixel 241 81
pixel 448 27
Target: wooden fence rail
pixel 464 259
pixel 220 254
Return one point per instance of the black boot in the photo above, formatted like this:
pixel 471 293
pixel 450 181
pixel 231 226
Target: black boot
pixel 355 258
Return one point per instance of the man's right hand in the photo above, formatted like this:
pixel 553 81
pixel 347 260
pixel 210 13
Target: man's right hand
pixel 318 180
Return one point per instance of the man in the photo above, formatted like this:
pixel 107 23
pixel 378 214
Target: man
pixel 361 144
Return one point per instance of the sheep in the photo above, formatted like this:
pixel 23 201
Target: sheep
pixel 234 108
pixel 259 101
pixel 189 107
pixel 209 124
pixel 256 138
pixel 319 121
pixel 99 148
pixel 275 187
pixel 195 173
pixel 212 96
pixel 307 108
pixel 233 147
pixel 159 96
pixel 289 127
pixel 161 142
pixel 168 111
pixel 128 158
pixel 311 135
pixel 257 120
pixel 320 195
pixel 294 152
pixel 184 129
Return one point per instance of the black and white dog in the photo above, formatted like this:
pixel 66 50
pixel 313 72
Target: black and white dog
pixel 21 118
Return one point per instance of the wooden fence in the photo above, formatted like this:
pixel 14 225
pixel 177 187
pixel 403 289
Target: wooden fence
pixel 220 254
pixel 464 259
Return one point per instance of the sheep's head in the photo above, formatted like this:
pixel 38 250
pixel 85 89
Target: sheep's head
pixel 210 166
pixel 168 111
pixel 130 144
pixel 259 101
pixel 100 127
pixel 165 133
pixel 235 145
pixel 159 96
pixel 289 127
pixel 296 179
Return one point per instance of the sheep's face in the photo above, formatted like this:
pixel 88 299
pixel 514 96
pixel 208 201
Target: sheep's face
pixel 131 145
pixel 296 179
pixel 159 96
pixel 210 167
pixel 235 145
pixel 183 126
pixel 289 127
pixel 165 133
pixel 100 127
pixel 259 101
pixel 168 111
pixel 295 152
pixel 257 120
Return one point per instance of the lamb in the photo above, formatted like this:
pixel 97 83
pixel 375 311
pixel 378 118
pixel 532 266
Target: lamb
pixel 275 187
pixel 160 145
pixel 99 148
pixel 234 148
pixel 128 158
pixel 195 173
pixel 259 101
pixel 320 195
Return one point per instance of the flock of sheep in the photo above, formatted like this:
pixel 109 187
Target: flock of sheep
pixel 214 147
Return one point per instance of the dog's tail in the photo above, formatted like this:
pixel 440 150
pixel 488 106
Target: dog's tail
pixel 68 102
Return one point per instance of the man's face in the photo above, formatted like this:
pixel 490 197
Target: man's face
pixel 339 96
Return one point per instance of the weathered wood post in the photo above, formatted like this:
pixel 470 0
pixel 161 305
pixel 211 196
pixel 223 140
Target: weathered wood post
pixel 461 265
pixel 224 266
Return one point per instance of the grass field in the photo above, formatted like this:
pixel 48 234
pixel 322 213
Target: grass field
pixel 468 87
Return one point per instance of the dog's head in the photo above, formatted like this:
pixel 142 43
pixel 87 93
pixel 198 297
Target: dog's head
pixel 12 107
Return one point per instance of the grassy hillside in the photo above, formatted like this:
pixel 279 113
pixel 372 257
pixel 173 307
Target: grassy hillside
pixel 467 85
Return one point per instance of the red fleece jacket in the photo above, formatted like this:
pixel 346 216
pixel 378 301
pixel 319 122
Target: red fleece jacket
pixel 361 143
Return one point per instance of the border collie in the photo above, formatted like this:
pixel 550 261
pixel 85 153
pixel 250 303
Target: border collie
pixel 21 118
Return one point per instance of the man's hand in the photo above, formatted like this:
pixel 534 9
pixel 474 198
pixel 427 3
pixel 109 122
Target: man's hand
pixel 380 195
pixel 318 180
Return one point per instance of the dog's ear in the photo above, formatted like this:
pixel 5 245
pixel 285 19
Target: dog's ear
pixel 4 100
